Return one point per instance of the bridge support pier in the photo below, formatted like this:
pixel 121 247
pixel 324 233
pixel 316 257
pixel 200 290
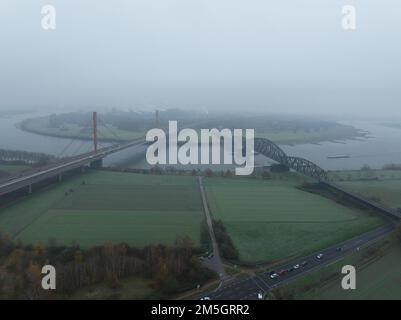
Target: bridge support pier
pixel 60 177
pixel 97 163
pixel 30 189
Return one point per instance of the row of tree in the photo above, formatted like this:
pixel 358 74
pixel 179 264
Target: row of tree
pixel 170 268
pixel 25 157
pixel 226 245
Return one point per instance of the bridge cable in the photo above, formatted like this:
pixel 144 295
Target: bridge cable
pixel 84 142
pixel 110 130
pixel 73 139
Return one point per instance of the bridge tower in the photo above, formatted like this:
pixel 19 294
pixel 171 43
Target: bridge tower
pixel 95 131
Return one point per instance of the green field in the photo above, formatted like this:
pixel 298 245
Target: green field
pixel 365 175
pixel 386 192
pixel 272 220
pixel 383 186
pixel 377 277
pixel 110 206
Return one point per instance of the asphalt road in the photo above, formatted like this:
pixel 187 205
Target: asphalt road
pixel 249 288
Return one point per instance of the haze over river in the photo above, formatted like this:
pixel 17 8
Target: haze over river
pixel 383 146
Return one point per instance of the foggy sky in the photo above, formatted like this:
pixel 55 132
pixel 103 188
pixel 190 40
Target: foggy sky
pixel 259 55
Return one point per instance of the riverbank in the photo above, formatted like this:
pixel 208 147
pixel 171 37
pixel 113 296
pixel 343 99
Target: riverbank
pixel 334 133
pixel 71 131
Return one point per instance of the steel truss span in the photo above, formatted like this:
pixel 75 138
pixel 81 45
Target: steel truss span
pixel 274 152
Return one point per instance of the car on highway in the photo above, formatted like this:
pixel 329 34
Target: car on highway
pixel 319 256
pixel 303 264
pixel 273 275
pixel 339 249
pixel 296 266
pixel 282 272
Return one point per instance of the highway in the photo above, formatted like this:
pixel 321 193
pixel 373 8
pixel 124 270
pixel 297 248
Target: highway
pixel 249 288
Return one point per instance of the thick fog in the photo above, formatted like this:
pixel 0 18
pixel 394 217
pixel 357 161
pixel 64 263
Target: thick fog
pixel 260 55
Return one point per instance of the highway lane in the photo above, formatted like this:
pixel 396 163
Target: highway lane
pixel 249 288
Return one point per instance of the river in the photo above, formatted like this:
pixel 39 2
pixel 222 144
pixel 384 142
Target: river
pixel 383 146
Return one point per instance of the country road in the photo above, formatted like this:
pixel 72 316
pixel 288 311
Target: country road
pixel 215 263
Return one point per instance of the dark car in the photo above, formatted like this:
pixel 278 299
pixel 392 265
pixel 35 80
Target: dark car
pixel 282 272
pixel 303 264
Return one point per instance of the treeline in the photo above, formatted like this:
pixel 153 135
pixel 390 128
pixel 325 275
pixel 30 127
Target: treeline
pixel 171 269
pixel 124 120
pixel 227 249
pixel 392 166
pixel 25 157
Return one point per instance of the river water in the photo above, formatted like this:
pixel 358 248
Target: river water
pixel 381 147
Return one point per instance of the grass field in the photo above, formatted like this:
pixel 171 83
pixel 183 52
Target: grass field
pixel 377 277
pixel 380 185
pixel 387 192
pixel 110 206
pixel 365 175
pixel 272 220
